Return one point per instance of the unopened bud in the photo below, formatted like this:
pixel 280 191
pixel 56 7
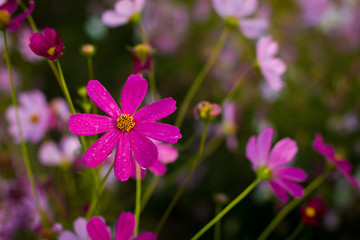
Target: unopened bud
pixel 206 111
pixel 88 50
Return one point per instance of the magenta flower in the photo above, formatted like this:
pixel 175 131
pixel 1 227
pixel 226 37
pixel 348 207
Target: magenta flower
pixel 125 227
pixel 12 23
pixel 34 117
pixel 328 151
pixel 126 128
pixel 124 11
pixel 80 231
pixel 271 67
pixel 269 166
pixel 236 12
pixel 313 212
pixel 47 45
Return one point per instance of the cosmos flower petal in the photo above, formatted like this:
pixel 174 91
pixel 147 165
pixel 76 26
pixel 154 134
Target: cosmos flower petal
pixel 146 236
pixel 67 235
pixel 133 93
pixel 144 149
pixel 125 8
pixel 123 162
pixel 291 173
pixel 158 168
pixel 49 154
pixel 353 181
pixel 125 226
pixel 112 19
pixel 167 153
pixel 223 8
pixel 263 145
pixel 16 21
pixel 97 152
pixel 159 131
pixel 139 5
pixel 251 152
pixel 273 78
pixel 9 6
pixel 325 149
pixel 102 98
pixel 80 228
pixel 37 43
pixel 292 188
pixel 244 8
pixel 156 110
pixel 97 229
pixel 279 191
pixel 90 124
pixel 253 28
pixel 50 35
pixel 283 152
pixel 71 147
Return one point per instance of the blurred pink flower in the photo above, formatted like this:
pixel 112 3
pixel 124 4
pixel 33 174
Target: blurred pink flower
pixel 80 231
pixel 34 116
pixel 313 11
pixel 269 166
pixel 25 50
pixel 5 80
pixel 313 212
pixel 128 129
pixel 60 113
pixel 125 227
pixel 229 125
pixel 328 151
pixel 271 67
pixel 124 11
pixel 66 153
pixel 9 22
pixel 236 12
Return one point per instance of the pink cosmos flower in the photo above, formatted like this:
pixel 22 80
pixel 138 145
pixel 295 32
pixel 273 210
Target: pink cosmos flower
pixel 328 151
pixel 47 45
pixel 271 67
pixel 313 212
pixel 124 11
pixel 269 166
pixel 52 155
pixel 125 227
pixel 5 80
pixel 314 11
pixel 60 113
pixel 237 11
pixel 126 128
pixel 24 48
pixel 12 23
pixel 229 125
pixel 34 116
pixel 80 231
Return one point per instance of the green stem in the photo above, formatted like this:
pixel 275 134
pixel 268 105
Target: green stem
pixel 201 76
pixel 90 68
pixel 236 87
pixel 217 230
pixel 30 18
pixel 291 205
pixel 150 189
pixel 24 149
pixel 138 199
pixel 152 81
pixel 143 35
pixel 183 186
pixel 296 232
pixel 103 182
pixel 227 209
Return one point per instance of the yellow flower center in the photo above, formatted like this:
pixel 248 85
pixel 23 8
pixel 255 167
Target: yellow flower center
pixel 310 212
pixel 51 51
pixel 264 173
pixel 125 122
pixel 232 22
pixel 34 118
pixel 4 18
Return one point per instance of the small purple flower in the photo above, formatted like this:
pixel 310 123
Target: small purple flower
pixel 313 212
pixel 47 45
pixel 52 155
pixel 125 227
pixel 328 151
pixel 206 111
pixel 269 166
pixel 34 117
pixel 80 231
pixel 124 11
pixel 126 128
pixel 271 67
pixel 9 22
pixel 24 48
pixel 235 12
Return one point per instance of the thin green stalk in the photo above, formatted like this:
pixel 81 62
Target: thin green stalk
pixel 291 205
pixel 90 68
pixel 70 186
pixel 30 18
pixel 296 232
pixel 236 87
pixel 138 199
pixel 201 76
pixel 143 35
pixel 24 149
pixel 149 190
pixel 227 209
pixel 217 230
pixel 185 183
pixel 103 182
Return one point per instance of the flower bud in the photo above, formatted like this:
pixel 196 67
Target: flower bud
pixel 142 55
pixel 221 198
pixel 88 50
pixel 206 111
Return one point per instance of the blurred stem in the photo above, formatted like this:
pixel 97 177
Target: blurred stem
pixel 138 199
pixel 143 35
pixel 231 95
pixel 70 185
pixel 104 180
pixel 189 142
pixel 149 190
pixel 201 76
pixel 227 209
pixel 24 149
pixel 185 183
pixel 291 205
pixel 296 232
pixel 217 230
pixel 90 68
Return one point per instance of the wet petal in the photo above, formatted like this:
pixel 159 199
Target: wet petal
pixel 97 152
pixel 97 229
pixel 283 152
pixel 90 124
pixel 102 98
pixel 156 110
pixel 125 226
pixel 144 149
pixel 123 159
pixel 159 131
pixel 133 93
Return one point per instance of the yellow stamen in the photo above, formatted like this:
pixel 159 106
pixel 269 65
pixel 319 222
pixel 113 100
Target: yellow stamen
pixel 51 51
pixel 34 118
pixel 310 212
pixel 264 173
pixel 125 123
